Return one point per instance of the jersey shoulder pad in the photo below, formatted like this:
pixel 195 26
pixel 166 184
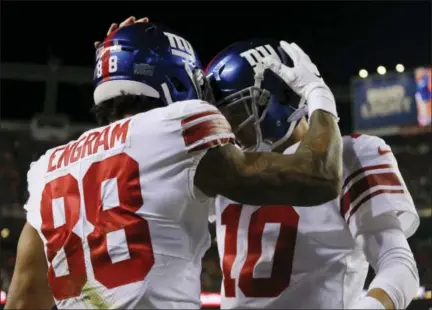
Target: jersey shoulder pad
pixel 188 108
pixel 365 145
pixel 37 168
pixel 373 185
pixel 35 181
pixel 202 125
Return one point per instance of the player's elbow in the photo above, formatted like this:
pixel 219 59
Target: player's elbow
pixel 334 183
pixel 331 180
pixel 322 190
pixel 289 189
pixel 325 186
pixel 330 189
pixel 323 179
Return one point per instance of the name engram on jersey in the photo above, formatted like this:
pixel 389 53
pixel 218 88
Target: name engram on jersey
pixel 117 210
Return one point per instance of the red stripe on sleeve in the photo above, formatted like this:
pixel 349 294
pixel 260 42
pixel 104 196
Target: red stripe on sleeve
pixel 206 129
pixel 362 170
pixel 364 184
pixel 197 116
pixel 370 196
pixel 212 143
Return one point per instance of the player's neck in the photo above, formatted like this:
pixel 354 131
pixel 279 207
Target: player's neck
pixel 124 116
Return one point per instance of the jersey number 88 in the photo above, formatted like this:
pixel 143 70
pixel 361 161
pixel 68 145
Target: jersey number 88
pixel 112 66
pixel 102 219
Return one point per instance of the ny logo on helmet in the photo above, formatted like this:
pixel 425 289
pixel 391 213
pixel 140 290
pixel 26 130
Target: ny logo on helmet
pixel 180 47
pixel 257 54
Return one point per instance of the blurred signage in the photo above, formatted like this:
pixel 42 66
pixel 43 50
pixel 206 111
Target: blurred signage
pixel 423 93
pixel 384 101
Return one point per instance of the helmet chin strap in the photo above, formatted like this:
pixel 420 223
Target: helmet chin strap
pixel 197 78
pixel 263 147
pixel 256 100
pixel 293 119
pixel 288 134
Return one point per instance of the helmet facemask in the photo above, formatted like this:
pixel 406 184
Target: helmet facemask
pixel 252 105
pixel 293 121
pixel 247 108
pixel 200 82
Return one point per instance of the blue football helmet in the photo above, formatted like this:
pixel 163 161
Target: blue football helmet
pixel 250 96
pixel 147 59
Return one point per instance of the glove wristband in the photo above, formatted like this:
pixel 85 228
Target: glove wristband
pixel 368 302
pixel 321 99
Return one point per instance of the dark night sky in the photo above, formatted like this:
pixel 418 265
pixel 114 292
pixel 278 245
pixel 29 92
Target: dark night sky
pixel 341 37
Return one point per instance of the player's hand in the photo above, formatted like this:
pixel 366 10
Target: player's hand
pixel 126 22
pixel 303 78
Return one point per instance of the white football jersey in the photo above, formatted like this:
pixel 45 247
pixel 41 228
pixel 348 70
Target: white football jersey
pixel 117 210
pixel 281 257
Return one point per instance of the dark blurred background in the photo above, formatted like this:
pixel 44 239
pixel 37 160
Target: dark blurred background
pixel 376 57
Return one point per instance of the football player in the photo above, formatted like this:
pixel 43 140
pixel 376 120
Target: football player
pixel 302 258
pixel 120 214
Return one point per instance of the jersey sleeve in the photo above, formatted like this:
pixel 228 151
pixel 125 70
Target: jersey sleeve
pixel 32 205
pixel 373 185
pixel 202 127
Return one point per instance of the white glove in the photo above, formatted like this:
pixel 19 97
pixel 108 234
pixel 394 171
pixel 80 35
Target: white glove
pixel 304 78
pixel 368 302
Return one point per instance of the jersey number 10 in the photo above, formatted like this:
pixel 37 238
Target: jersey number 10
pixel 121 219
pixel 279 279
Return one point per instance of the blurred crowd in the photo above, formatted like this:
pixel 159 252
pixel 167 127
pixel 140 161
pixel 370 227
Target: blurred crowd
pixel 18 149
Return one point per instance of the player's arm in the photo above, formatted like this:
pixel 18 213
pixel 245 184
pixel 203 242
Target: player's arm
pixel 379 209
pixel 386 248
pixel 375 186
pixel 309 177
pixel 29 286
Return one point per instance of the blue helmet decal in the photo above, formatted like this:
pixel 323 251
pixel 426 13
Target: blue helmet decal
pixel 237 77
pixel 146 59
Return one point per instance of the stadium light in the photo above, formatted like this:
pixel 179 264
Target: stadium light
pixel 4 233
pixel 400 68
pixel 381 70
pixel 363 73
